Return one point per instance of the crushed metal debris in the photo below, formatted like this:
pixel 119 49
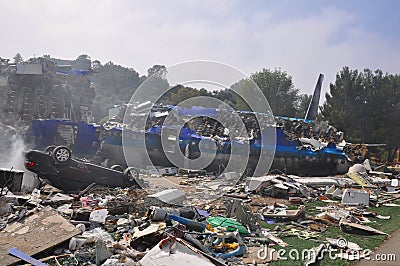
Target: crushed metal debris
pixel 110 226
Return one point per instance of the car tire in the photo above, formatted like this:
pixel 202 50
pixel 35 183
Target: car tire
pixel 61 154
pixel 131 174
pixel 50 148
pixel 117 167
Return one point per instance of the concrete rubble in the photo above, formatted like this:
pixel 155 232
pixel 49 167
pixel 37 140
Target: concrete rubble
pixel 132 226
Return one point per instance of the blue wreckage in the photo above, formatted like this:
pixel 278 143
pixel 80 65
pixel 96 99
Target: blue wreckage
pixel 303 146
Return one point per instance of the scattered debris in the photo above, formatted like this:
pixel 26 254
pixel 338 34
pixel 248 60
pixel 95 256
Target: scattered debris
pixel 109 225
pixel 92 214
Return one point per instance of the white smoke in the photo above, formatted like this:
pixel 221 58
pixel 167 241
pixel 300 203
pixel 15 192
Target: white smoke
pixel 12 155
pixel 16 160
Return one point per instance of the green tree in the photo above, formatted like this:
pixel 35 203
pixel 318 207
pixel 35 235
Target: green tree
pixel 226 96
pixel 279 90
pixel 114 84
pixel 18 58
pixel 366 106
pixel 277 87
pixel 303 103
pixel 96 65
pixel 159 70
pixel 181 93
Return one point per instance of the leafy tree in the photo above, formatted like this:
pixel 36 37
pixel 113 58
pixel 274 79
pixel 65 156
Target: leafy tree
pixel 159 70
pixel 181 93
pixel 96 65
pixel 114 85
pixel 82 62
pixel 226 96
pixel 303 103
pixel 18 58
pixel 345 105
pixel 277 87
pixel 366 106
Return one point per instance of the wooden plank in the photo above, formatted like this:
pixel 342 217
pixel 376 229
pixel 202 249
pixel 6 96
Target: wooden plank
pixel 34 234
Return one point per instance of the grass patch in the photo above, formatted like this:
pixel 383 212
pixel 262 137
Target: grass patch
pixel 366 242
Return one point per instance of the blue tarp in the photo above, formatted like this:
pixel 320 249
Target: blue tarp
pixel 85 140
pixel 74 72
pixel 197 111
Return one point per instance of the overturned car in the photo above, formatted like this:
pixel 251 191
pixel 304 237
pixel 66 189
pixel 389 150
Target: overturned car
pixel 70 174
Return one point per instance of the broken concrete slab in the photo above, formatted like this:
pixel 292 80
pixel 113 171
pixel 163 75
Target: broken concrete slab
pixel 333 191
pixel 168 196
pixel 35 197
pixel 35 233
pixel 355 197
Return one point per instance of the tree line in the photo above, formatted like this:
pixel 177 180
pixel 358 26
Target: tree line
pixel 366 106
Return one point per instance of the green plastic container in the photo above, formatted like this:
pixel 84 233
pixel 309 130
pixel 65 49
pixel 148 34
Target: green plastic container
pixel 230 224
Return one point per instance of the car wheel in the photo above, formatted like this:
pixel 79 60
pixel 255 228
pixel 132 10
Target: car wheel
pixel 61 154
pixel 117 167
pixel 131 174
pixel 50 148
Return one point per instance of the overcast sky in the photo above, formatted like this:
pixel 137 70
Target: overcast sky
pixel 303 38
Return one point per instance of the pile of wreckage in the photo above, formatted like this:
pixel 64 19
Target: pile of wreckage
pixel 46 88
pixel 129 226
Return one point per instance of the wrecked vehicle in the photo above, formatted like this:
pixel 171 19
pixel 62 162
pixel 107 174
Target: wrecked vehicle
pixel 304 146
pixel 70 174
